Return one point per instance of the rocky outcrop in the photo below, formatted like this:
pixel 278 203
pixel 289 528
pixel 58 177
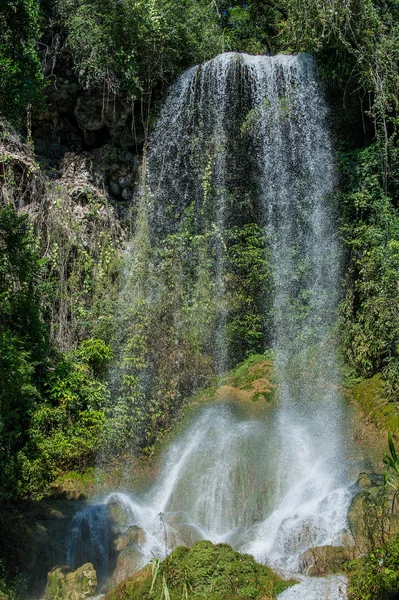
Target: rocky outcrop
pixel 251 385
pixel 323 560
pixel 108 171
pixel 65 584
pixel 212 572
pixel 129 561
pixel 133 535
pixel 372 522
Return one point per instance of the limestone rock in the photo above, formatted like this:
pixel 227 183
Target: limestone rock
pixel 323 560
pixel 129 561
pixel 179 532
pixel 65 584
pixel 89 113
pixel 125 182
pixel 134 535
pixel 118 514
pixel 114 188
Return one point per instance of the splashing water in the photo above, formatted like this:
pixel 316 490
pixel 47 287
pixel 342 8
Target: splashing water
pixel 278 486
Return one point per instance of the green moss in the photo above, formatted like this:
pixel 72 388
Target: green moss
pixel 268 396
pixel 250 386
pixel 247 372
pixel 74 486
pixel 206 572
pixel 371 396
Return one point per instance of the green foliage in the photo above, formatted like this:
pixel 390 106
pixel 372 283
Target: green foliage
pixel 206 572
pixel 23 340
pixel 251 26
pixel 357 44
pixel 134 45
pixel 165 335
pixel 249 290
pixel 376 576
pixel 172 304
pixel 370 223
pixel 95 354
pixel 83 266
pixel 20 272
pixel 391 475
pixel 391 459
pixel 21 78
pixel 66 428
pixel 7 590
pixel 52 407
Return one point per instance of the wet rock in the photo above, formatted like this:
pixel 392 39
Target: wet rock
pixel 179 532
pixel 371 483
pixel 129 561
pixel 323 560
pixel 119 516
pixel 134 535
pixel 188 535
pixel 65 584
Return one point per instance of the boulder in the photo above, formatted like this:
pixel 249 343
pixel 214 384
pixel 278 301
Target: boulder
pixel 179 532
pixel 120 517
pixel 133 535
pixel 114 188
pixel 65 584
pixel 129 561
pixel 323 560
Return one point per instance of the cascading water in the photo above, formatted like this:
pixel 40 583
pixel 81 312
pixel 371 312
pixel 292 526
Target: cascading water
pixel 242 138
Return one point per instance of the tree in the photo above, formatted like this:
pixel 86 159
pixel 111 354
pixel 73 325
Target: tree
pixel 21 77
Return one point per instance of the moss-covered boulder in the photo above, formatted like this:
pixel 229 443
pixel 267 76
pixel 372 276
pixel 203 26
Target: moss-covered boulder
pixel 370 517
pixel 119 515
pixel 251 384
pixel 74 486
pixel 371 396
pixel 204 572
pixel 324 560
pixel 65 584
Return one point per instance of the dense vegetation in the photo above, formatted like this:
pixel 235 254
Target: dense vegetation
pixel 59 277
pixel 207 571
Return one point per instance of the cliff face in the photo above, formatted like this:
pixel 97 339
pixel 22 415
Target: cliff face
pixel 80 227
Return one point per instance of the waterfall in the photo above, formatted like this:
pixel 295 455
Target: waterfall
pixel 241 140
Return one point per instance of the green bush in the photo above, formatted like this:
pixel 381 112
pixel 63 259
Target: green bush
pixel 370 224
pixel 66 429
pixel 207 572
pixel 133 46
pixel 23 340
pixel 376 576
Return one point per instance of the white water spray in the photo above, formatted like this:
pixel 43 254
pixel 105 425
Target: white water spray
pixel 277 487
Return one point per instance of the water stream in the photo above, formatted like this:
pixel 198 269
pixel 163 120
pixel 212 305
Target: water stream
pixel 242 130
